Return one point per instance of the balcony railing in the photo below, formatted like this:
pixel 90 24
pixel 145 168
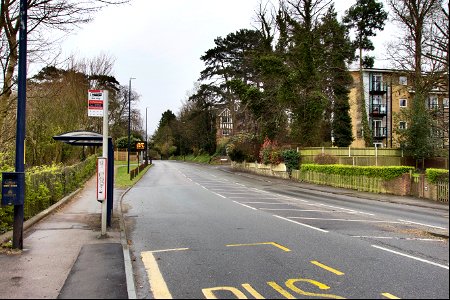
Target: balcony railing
pixel 378 110
pixel 380 132
pixel 378 87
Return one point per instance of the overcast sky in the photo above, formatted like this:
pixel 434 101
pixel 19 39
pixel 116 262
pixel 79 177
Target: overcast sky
pixel 160 42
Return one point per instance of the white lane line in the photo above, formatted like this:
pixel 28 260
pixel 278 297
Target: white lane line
pixel 346 209
pixel 412 257
pixel 245 205
pixel 397 238
pixel 427 225
pixel 298 223
pixel 265 203
pixel 241 184
pixel 168 250
pixel 219 195
pixel 346 220
pixel 295 209
pixel 157 283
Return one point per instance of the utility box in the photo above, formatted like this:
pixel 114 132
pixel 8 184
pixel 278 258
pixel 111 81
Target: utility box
pixel 13 188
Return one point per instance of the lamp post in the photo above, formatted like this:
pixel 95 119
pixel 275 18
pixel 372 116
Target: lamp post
pixel 146 137
pixel 129 124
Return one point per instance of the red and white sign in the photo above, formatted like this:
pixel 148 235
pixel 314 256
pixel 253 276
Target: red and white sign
pixel 102 168
pixel 95 103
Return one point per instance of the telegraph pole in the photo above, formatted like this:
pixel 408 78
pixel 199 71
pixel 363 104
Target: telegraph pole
pixel 20 133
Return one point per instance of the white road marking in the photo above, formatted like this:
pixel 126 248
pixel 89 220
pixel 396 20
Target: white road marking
pixel 298 223
pixel 346 220
pixel 245 205
pixel 410 222
pixel 412 257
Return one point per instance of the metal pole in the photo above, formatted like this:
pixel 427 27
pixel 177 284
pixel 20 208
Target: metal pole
pixel 129 124
pixel 146 138
pixel 20 135
pixel 105 155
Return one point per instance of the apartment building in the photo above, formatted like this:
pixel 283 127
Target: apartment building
pixel 386 94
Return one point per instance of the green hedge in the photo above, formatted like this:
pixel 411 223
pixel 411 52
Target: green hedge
pixel 386 173
pixel 435 175
pixel 46 185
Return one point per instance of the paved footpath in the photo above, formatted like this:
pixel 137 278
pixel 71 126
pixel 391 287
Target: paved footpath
pixel 64 256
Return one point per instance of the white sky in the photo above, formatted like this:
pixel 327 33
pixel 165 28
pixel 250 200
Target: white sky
pixel 159 42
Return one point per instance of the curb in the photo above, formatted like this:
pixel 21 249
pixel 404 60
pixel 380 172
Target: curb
pixel 131 286
pixel 29 223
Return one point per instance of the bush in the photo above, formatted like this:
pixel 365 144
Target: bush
pixel 435 175
pixel 270 153
pixel 243 147
pixel 325 159
pixel 386 173
pixel 292 160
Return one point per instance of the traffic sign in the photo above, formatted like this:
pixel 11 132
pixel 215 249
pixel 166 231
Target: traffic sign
pixel 95 103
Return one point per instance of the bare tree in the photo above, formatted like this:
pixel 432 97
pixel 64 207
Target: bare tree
pixel 43 15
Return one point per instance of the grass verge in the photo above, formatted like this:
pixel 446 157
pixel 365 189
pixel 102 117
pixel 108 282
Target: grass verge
pixel 122 178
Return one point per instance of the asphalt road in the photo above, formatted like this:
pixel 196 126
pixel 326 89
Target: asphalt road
pixel 203 232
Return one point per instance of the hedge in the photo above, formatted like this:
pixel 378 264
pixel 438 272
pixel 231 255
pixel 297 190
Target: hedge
pixel 386 173
pixel 46 185
pixel 435 175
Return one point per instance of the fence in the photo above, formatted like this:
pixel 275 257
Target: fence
pixel 371 157
pixel 405 185
pixel 45 187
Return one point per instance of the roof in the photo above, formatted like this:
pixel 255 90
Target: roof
pixel 80 138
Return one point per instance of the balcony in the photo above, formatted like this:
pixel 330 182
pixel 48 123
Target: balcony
pixel 380 132
pixel 378 110
pixel 378 87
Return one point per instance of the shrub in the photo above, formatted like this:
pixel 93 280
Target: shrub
pixel 243 147
pixel 292 160
pixel 435 175
pixel 270 153
pixel 325 159
pixel 386 173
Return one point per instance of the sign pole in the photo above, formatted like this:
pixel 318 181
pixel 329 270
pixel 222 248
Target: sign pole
pixel 20 135
pixel 105 155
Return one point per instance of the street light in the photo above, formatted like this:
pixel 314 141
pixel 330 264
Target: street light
pixel 129 124
pixel 146 137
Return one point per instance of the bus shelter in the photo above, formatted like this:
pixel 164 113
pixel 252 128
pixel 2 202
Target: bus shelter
pixel 88 138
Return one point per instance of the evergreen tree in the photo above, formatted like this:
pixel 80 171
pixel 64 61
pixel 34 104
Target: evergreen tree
pixel 366 17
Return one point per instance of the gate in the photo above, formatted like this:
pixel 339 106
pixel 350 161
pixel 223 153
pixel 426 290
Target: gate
pixel 442 191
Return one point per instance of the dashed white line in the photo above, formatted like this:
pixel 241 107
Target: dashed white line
pixel 427 225
pixel 412 257
pixel 298 223
pixel 245 205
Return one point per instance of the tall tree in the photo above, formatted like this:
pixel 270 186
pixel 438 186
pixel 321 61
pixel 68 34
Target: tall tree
pixel 337 53
pixel 366 17
pixel 416 17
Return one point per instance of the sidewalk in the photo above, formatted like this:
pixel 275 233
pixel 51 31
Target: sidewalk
pixel 64 256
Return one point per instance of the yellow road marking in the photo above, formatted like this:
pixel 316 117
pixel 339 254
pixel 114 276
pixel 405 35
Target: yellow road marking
pixel 157 284
pixel 390 296
pixel 339 273
pixel 252 291
pixel 209 293
pixel 280 290
pixel 259 244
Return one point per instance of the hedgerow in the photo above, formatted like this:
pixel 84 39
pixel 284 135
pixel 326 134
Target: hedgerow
pixel 386 173
pixel 46 185
pixel 435 175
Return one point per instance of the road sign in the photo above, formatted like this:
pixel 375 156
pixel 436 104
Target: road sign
pixel 102 163
pixel 96 99
pixel 140 146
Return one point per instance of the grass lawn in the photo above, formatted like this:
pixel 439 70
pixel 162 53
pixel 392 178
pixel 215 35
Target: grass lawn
pixel 122 178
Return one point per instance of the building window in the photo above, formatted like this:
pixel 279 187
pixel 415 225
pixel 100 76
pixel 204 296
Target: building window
pixel 403 80
pixel 403 103
pixel 402 125
pixel 433 102
pixel 445 102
